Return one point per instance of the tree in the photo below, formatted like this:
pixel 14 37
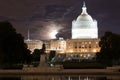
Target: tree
pixel 36 55
pixel 52 55
pixel 110 49
pixel 13 50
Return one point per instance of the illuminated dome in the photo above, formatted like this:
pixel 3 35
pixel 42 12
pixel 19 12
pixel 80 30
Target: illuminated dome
pixel 84 17
pixel 84 26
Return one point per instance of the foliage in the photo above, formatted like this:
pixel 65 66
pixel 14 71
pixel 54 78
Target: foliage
pixel 52 55
pixel 110 49
pixel 13 50
pixel 36 55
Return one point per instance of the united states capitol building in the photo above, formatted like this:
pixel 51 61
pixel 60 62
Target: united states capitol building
pixel 84 42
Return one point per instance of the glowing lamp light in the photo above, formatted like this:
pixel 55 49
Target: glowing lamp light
pixel 71 50
pixel 94 50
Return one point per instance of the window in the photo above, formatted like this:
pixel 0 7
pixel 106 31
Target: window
pixel 79 46
pixel 89 42
pixel 90 46
pixel 83 46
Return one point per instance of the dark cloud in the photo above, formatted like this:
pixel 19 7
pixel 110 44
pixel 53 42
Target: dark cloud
pixel 37 14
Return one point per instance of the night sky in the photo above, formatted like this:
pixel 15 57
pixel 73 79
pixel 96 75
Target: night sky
pixel 43 16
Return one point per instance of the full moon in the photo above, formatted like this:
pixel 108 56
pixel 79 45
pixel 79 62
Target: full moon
pixel 53 34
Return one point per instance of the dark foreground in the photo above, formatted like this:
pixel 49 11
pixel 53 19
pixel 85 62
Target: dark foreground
pixel 45 71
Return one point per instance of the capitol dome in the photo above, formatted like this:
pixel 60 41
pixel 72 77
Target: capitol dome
pixel 84 26
pixel 84 17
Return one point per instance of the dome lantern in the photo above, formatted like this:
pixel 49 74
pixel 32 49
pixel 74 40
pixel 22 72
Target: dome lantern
pixel 84 9
pixel 84 16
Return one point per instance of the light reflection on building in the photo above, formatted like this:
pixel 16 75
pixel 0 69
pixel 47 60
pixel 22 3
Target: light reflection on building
pixel 58 45
pixel 33 44
pixel 84 47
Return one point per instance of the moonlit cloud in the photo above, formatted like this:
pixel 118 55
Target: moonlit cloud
pixel 52 34
pixel 45 30
pixel 34 15
pixel 52 28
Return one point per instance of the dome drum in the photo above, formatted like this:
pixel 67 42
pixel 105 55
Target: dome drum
pixel 84 17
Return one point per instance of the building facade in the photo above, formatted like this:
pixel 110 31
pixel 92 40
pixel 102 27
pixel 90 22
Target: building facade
pixel 33 44
pixel 84 47
pixel 84 42
pixel 57 45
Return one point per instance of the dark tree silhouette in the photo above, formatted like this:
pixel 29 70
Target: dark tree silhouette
pixel 110 49
pixel 13 50
pixel 36 55
pixel 38 52
pixel 52 55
